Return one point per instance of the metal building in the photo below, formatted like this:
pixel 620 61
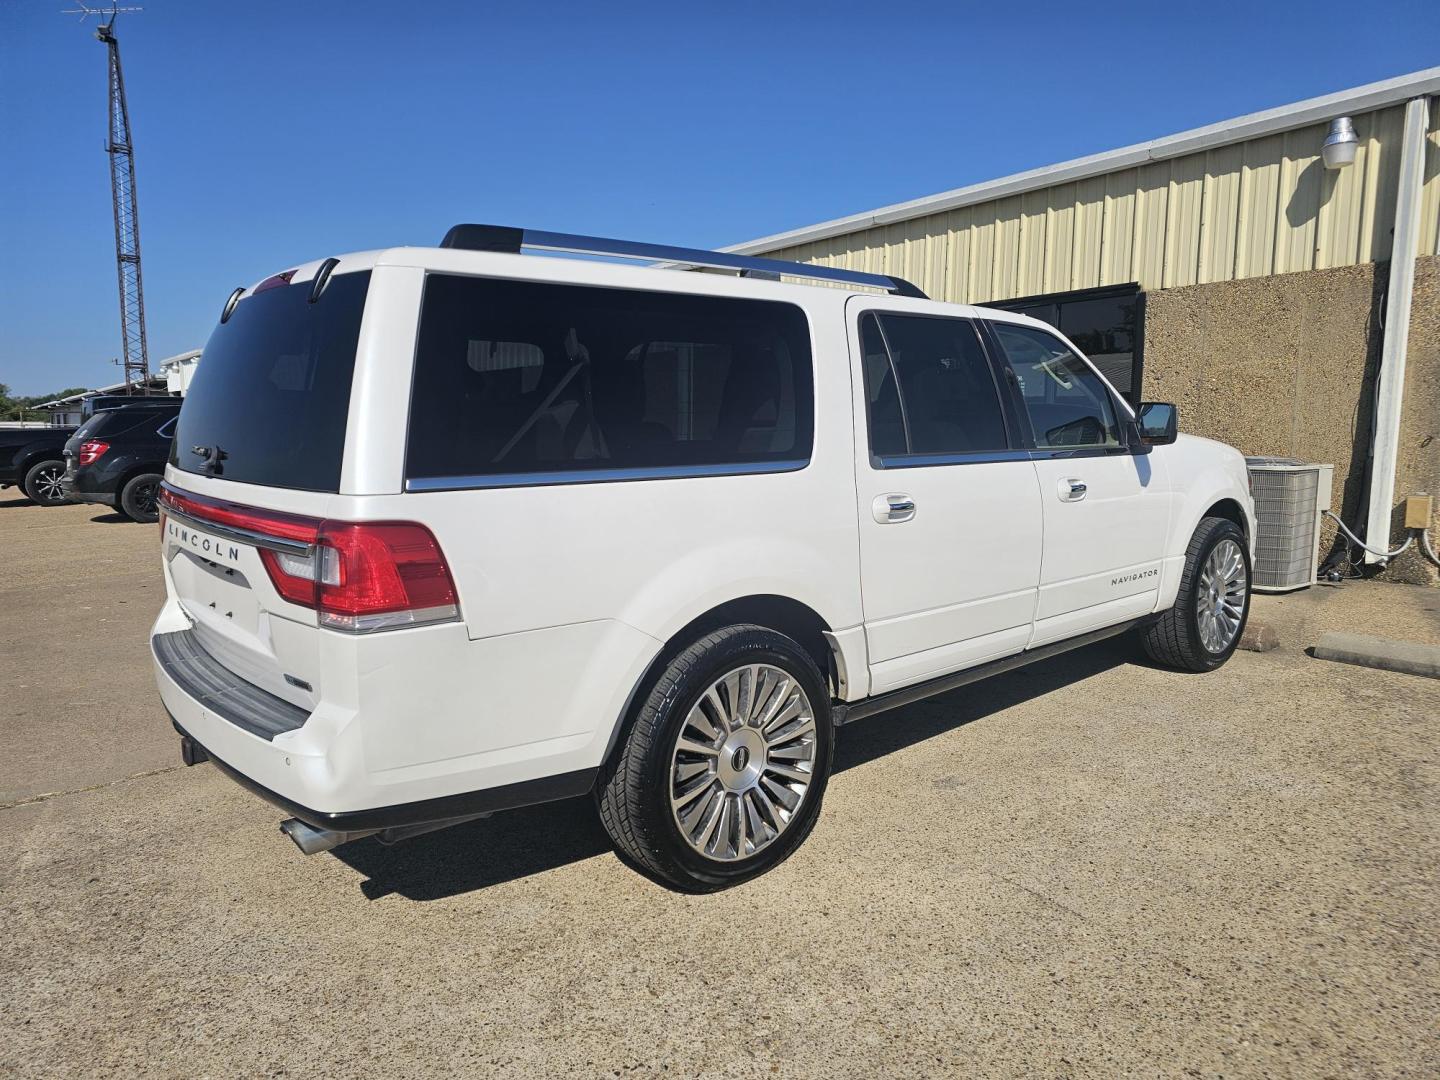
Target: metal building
pixel 1239 199
pixel 1149 255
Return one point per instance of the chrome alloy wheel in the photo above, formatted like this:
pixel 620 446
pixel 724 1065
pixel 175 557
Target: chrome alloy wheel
pixel 743 762
pixel 1220 602
pixel 48 483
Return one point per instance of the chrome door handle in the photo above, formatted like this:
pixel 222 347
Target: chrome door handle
pixel 889 509
pixel 1072 489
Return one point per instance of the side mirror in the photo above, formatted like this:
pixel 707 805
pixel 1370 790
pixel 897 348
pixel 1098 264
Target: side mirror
pixel 1159 422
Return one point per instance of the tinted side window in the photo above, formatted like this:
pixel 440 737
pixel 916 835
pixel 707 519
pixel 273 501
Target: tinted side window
pixel 887 425
pixel 1068 405
pixel 112 422
pixel 929 387
pixel 516 377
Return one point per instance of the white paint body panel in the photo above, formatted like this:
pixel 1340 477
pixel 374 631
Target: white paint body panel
pixel 567 593
pixel 955 584
pixel 1104 547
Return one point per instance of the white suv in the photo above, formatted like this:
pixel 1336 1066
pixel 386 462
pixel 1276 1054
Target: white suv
pixel 450 530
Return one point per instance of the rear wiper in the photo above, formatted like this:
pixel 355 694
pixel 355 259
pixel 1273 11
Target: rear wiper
pixel 212 456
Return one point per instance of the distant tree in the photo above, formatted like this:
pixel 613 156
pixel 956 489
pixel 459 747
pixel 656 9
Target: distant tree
pixel 22 408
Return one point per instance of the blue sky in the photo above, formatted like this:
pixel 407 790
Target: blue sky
pixel 268 133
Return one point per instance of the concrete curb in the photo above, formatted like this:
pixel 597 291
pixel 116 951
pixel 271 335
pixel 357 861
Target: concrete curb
pixel 1408 657
pixel 1258 637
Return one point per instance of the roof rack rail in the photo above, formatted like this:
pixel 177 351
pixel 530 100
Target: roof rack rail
pixel 505 238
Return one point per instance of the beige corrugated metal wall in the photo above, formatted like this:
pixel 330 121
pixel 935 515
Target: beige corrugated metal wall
pixel 1266 206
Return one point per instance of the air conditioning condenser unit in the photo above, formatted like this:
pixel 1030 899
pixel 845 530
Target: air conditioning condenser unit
pixel 1290 499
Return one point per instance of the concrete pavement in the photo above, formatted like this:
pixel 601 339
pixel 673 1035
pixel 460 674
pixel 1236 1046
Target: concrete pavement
pixel 1090 867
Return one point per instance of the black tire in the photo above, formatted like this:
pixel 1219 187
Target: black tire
pixel 42 482
pixel 1175 639
pixel 138 498
pixel 633 793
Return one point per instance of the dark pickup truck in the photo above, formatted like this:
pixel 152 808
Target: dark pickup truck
pixel 32 459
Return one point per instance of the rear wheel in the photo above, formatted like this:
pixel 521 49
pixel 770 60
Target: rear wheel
pixel 1203 628
pixel 724 764
pixel 139 499
pixel 43 483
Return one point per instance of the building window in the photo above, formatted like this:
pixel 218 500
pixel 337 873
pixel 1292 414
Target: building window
pixel 1107 325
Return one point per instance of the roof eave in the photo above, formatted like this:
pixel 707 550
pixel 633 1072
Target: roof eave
pixel 1361 99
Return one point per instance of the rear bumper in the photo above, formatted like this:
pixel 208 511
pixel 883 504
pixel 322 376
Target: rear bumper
pixel 389 729
pixel 314 765
pixel 508 797
pixel 80 486
pixel 104 498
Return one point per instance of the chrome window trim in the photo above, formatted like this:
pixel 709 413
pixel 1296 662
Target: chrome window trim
pixel 601 476
pixel 975 457
pixel 1046 453
pixel 244 536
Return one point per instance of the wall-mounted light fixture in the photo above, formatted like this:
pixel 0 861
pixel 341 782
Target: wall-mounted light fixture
pixel 1340 143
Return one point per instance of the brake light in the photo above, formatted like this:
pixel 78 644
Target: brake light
pixel 382 574
pixel 359 575
pixel 92 451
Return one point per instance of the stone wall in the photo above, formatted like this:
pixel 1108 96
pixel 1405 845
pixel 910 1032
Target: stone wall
pixel 1287 365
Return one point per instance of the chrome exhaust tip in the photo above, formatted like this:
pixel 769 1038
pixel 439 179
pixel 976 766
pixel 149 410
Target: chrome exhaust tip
pixel 312 841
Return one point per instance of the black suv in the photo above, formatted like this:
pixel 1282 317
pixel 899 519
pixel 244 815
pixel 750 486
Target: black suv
pixel 117 457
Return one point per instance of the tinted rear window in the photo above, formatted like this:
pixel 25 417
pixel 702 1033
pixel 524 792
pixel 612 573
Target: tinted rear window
pixel 518 378
pixel 272 389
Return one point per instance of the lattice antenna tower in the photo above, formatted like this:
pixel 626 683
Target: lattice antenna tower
pixel 121 148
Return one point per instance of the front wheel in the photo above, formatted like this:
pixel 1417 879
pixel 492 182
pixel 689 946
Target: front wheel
pixel 724 763
pixel 44 483
pixel 1202 629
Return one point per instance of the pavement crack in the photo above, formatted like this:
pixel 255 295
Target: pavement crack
pixel 45 796
pixel 1119 940
pixel 1049 901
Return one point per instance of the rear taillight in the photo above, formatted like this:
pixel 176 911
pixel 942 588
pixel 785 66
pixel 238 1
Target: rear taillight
pixel 359 575
pixel 293 575
pixel 382 574
pixel 92 451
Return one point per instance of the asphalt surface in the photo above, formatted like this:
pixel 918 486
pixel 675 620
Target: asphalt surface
pixel 1087 868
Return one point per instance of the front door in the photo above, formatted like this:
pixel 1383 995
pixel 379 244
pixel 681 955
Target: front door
pixel 1106 508
pixel 950 512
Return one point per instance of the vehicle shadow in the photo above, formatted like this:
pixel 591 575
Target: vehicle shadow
pixel 463 858
pixel 519 843
pixel 17 499
pixel 113 518
pixel 866 740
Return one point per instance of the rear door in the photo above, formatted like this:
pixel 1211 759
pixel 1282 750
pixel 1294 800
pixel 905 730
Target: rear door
pixel 949 509
pixel 1106 507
